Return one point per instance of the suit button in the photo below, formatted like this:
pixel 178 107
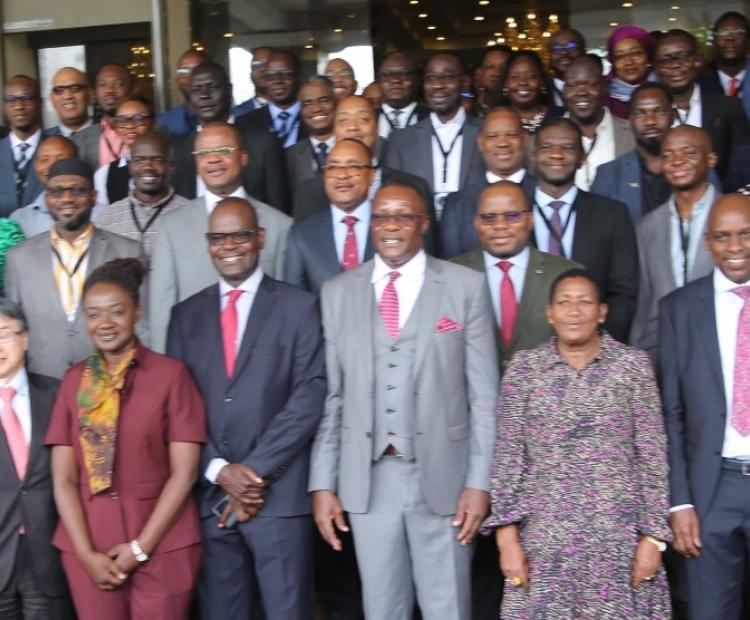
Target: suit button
pixel 391 365
pixel 390 387
pixel 394 349
pixel 22 492
pixel 114 495
pixel 72 332
pixel 227 399
pixel 368 434
pixel 390 411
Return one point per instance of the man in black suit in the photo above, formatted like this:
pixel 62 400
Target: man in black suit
pixel 704 333
pixel 502 143
pixel 335 239
pixel 255 349
pixel 727 76
pixel 32 583
pixel 676 63
pixel 264 176
pixel 282 114
pixel 589 229
pixel 399 78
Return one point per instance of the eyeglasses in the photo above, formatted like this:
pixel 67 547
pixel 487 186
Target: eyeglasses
pixel 183 71
pixel 396 74
pixel 431 78
pixel 258 64
pixel 239 237
pixel 635 54
pixel 402 219
pixel 285 76
pixel 509 217
pixel 725 34
pixel 8 335
pixel 351 170
pixel 24 99
pixel 216 150
pixel 131 119
pixel 73 89
pixel 682 58
pixel 76 192
pixel 556 48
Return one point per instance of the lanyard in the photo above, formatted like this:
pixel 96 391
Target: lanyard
pixel 157 211
pixel 553 233
pixel 586 154
pixel 70 274
pixel 446 153
pixel 109 147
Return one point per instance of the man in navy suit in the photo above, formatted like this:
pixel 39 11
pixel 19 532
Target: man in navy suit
pixel 704 357
pixel 182 119
pixel 22 108
pixel 255 349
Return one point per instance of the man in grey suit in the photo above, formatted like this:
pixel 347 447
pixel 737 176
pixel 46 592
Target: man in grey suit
pixel 604 135
pixel 671 252
pixel 70 96
pixel 333 240
pixel 45 274
pixel 442 148
pixel 405 443
pixel 177 269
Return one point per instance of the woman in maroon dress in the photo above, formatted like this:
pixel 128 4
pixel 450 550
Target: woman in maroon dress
pixel 126 435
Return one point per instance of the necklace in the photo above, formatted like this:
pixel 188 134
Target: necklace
pixel 532 124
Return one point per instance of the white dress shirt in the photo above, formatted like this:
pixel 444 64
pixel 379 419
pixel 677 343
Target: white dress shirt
pixel 244 305
pixel 67 132
pixel 603 151
pixel 32 141
pixel 558 88
pixel 212 199
pixel 21 402
pixel 694 228
pixel 726 79
pixel 541 232
pixel 694 113
pixel 407 286
pixel 447 133
pixel 100 181
pixel 361 229
pixel 516 177
pixel 517 274
pixel 407 118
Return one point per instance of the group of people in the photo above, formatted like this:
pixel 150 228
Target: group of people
pixel 451 356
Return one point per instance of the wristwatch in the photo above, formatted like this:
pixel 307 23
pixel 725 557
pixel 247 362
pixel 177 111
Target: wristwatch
pixel 660 544
pixel 138 551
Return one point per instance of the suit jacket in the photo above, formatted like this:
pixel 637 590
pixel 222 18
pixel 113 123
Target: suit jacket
pixel 711 83
pixel 457 232
pixel 266 414
pixel 8 198
pixel 725 121
pixel 181 265
pixel 532 327
pixel 55 344
pixel 178 121
pixel 656 276
pixel 301 164
pixel 260 119
pixel 455 376
pixel 87 141
pixel 264 176
pixel 692 391
pixel 311 257
pixel 604 243
pixel 410 150
pixel 30 501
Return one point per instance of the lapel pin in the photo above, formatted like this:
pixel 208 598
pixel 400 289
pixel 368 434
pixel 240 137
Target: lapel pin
pixel 539 271
pixel 634 184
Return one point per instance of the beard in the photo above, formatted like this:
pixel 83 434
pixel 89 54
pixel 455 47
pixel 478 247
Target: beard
pixel 650 145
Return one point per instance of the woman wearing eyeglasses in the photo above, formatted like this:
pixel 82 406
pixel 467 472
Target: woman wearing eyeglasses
pixel 631 52
pixel 126 435
pixel 133 118
pixel 579 485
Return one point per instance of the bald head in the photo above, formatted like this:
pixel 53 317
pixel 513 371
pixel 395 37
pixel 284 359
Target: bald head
pixel 355 118
pixel 234 240
pixel 728 236
pixel 187 62
pixel 50 150
pixel 341 74
pixel 233 205
pixel 584 90
pixel 502 142
pixel 687 157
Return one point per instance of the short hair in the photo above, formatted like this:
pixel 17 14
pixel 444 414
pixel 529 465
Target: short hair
pixel 125 273
pixel 505 184
pixel 398 179
pixel 662 88
pixel 676 33
pixel 119 65
pixel 140 99
pixel 461 64
pixel 318 79
pixel 27 78
pixel 11 310
pixel 559 121
pixel 408 57
pixel 577 34
pixel 290 54
pixel 366 148
pixel 597 59
pixel 576 272
pixel 212 66
pixel 503 49
pixel 732 15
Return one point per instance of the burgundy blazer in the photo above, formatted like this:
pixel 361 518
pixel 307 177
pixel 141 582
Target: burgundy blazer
pixel 159 404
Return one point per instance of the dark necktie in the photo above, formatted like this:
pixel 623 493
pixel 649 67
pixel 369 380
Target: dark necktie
pixel 22 162
pixel 282 129
pixel 396 116
pixel 556 232
pixel 321 153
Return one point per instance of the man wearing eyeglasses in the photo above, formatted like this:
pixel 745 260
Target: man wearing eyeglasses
pixel 258 67
pixel 341 75
pixel 405 443
pixel 676 63
pixel 565 46
pixel 45 274
pixel 399 78
pixel 182 119
pixel 70 96
pixel 729 69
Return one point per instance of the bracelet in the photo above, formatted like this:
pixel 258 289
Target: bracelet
pixel 660 544
pixel 138 551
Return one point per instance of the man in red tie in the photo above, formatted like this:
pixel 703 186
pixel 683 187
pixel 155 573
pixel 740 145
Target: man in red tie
pixel 255 349
pixel 704 357
pixel 32 584
pixel 336 239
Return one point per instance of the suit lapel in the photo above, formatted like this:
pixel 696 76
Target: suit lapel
pixel 363 312
pixel 662 248
pixel 46 286
pixel 40 412
pixel 534 292
pixel 429 305
pixel 325 241
pixel 468 148
pixel 705 315
pixel 583 231
pixel 211 310
pixel 425 136
pixel 97 251
pixel 262 306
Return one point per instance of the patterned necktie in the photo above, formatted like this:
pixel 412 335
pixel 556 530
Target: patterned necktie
pixel 508 304
pixel 229 330
pixel 396 118
pixel 389 306
pixel 741 393
pixel 22 150
pixel 21 172
pixel 320 154
pixel 733 87
pixel 282 130
pixel 351 254
pixel 555 247
pixel 19 449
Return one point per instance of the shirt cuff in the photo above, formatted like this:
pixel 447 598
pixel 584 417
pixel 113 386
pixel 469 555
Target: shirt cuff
pixel 213 469
pixel 671 510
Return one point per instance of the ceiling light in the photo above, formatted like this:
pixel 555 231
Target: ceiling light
pixel 531 15
pixel 431 27
pixel 413 1
pixel 672 19
pixel 501 40
pixel 613 24
pixel 309 46
pixel 546 34
pixel 422 15
pixel 497 34
pixel 522 35
pixel 509 20
pixel 338 30
pixel 228 35
pixel 627 5
pixel 675 7
pixel 491 42
pixel 479 18
pixel 440 38
pixel 553 17
pixel 484 2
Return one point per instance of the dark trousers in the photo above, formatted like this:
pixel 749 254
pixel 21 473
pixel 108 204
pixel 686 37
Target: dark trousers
pixel 22 600
pixel 717 580
pixel 274 552
pixel 486 580
pixel 337 581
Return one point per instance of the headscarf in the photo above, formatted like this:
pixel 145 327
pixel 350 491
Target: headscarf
pixel 631 32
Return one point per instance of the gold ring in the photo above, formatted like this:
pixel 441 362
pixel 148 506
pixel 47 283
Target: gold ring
pixel 649 578
pixel 516 581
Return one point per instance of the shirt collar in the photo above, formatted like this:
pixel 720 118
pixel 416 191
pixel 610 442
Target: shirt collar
pixel 520 260
pixel 722 284
pixel 331 142
pixel 66 131
pixel 407 109
pixel 516 177
pixel 362 212
pixel 293 110
pixel 163 201
pixel 543 199
pixel 413 270
pixel 20 382
pixel 704 202
pixel 250 285
pixel 728 78
pixel 40 203
pixel 32 140
pixel 211 198
pixel 457 121
pixel 83 239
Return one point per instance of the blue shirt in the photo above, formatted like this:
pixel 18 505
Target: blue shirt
pixel 292 123
pixel 541 232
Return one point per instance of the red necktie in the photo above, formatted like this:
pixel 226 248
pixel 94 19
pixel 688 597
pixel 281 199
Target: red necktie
pixel 19 448
pixel 351 255
pixel 229 330
pixel 508 304
pixel 389 306
pixel 733 87
pixel 741 393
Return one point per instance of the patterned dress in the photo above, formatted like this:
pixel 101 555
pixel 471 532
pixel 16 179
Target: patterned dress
pixel 581 465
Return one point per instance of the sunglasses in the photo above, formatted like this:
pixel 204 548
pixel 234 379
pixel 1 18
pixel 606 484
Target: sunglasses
pixel 509 217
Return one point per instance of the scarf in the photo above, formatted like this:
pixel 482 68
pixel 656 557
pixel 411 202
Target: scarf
pixel 621 90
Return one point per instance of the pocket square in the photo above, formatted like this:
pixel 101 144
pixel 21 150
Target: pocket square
pixel 446 325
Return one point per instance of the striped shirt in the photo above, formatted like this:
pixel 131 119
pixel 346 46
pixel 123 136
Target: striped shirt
pixel 69 261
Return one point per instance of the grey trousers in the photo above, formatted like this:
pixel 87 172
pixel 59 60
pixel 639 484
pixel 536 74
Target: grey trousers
pixel 403 547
